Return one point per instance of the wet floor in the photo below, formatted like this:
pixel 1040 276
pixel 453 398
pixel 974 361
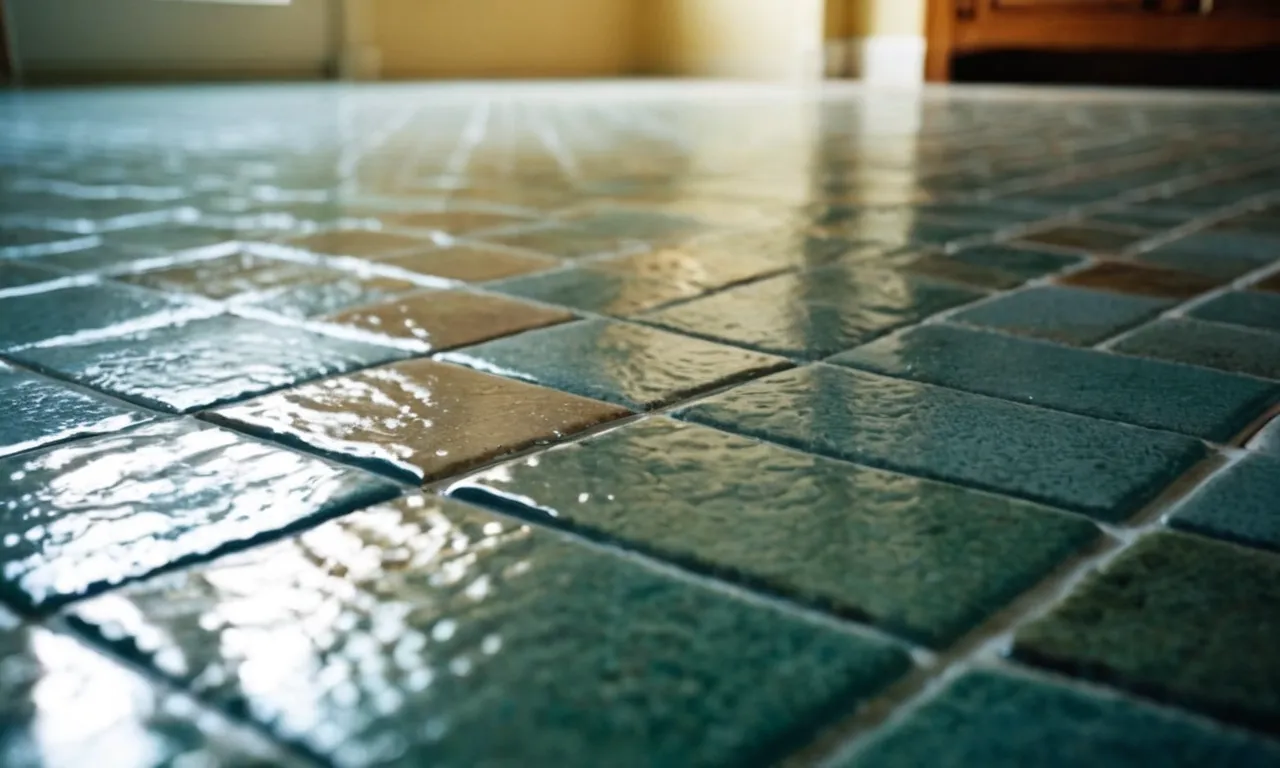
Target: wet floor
pixel 639 424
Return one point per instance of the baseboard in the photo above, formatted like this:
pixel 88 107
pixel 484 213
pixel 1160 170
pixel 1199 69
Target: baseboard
pixel 892 60
pixel 837 58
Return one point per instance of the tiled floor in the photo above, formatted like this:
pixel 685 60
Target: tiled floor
pixel 639 424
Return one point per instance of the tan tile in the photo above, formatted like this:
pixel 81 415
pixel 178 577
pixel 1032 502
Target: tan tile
pixel 419 419
pixel 1140 279
pixel 446 319
pixel 358 242
pixel 473 263
pixel 453 222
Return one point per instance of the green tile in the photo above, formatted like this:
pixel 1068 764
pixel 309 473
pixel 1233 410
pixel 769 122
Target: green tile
pixel 54 314
pixel 1100 468
pixel 1240 503
pixel 1018 264
pixel 16 274
pixel 39 411
pixel 1225 347
pixel 1179 618
pixel 916 557
pixel 597 290
pixel 1249 308
pixel 430 633
pixel 816 313
pixel 630 365
pixel 1268 438
pixel 1215 254
pixel 999 719
pixel 1068 315
pixel 1181 398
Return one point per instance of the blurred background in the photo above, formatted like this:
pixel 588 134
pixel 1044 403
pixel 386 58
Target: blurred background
pixel 1232 43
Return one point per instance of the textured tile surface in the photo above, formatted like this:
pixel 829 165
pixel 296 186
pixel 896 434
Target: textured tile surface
pixel 1204 612
pixel 39 411
pixel 597 290
pixel 1065 315
pixel 1181 398
pixel 430 633
pixel 992 266
pixel 630 365
pixel 1096 240
pixel 15 274
pixel 359 242
pixel 1100 468
pixel 198 364
pixel 997 719
pixel 837 536
pixel 1141 280
pixel 100 308
pixel 419 419
pixel 80 517
pixel 1226 347
pixel 473 263
pixel 1255 309
pixel 1241 503
pixel 1209 254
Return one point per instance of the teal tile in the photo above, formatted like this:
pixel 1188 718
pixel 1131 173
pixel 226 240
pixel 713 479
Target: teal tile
pixel 1215 254
pixel 1012 266
pixel 1068 315
pixel 39 412
pixel 205 362
pixel 597 290
pixel 1268 438
pixel 17 274
pixel 816 313
pixel 1100 468
pixel 48 683
pixel 629 365
pixel 1254 309
pixel 1241 503
pixel 926 560
pixel 1178 618
pixel 80 517
pixel 1225 347
pixel 999 719
pixel 26 242
pixel 428 633
pixel 103 258
pixel 1180 398
pixel 41 317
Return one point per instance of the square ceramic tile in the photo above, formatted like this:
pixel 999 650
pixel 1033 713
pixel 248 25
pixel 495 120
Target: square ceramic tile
pixel 80 517
pixel 1212 345
pixel 100 259
pixel 631 365
pixel 1066 315
pixel 1270 284
pixel 436 320
pixel 568 241
pixel 1099 468
pixel 420 420
pixel 1180 398
pixel 814 314
pixel 98 309
pixel 636 224
pixel 200 363
pixel 697 269
pixel 1255 309
pixel 990 717
pixel 168 239
pixel 1141 280
pixel 16 274
pixel 992 266
pixel 1205 612
pixel 451 221
pixel 359 243
pixel 428 633
pixel 1205 254
pixel 26 242
pixel 41 411
pixel 1237 504
pixel 1268 438
pixel 473 262
pixel 1075 237
pixel 597 290
pixel 913 556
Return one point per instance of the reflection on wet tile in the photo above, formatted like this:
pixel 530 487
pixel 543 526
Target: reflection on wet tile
pixel 42 317
pixel 63 704
pixel 473 263
pixel 636 224
pixel 83 516
pixel 25 242
pixel 1002 719
pixel 359 243
pixel 1141 280
pixel 1205 613
pixel 39 411
pixel 1013 265
pixel 1255 309
pixel 568 241
pixel 435 320
pixel 1100 468
pixel 816 313
pixel 1225 347
pixel 696 270
pixel 1181 398
pixel 1084 238
pixel 630 365
pixel 597 290
pixel 419 419
pixel 454 222
pixel 1268 438
pixel 839 537
pixel 168 240
pixel 99 259
pixel 201 363
pixel 16 274
pixel 1237 504
pixel 1066 315
pixel 428 633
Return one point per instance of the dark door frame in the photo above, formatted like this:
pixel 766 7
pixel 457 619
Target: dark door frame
pixel 6 52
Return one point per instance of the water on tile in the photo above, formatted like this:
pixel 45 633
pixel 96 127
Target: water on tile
pixel 1065 315
pixel 1141 280
pixel 95 310
pixel 473 262
pixel 40 411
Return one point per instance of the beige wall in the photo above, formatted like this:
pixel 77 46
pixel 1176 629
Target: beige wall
pixel 769 39
pixel 867 18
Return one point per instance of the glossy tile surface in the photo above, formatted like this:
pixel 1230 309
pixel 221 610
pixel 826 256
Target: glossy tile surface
pixel 820 531
pixel 1213 345
pixel 1099 468
pixel 1254 309
pixel 476 263
pixel 1239 504
pixel 1064 315
pixel 83 516
pixel 193 365
pixel 420 419
pixel 1180 398
pixel 39 411
pixel 56 315
pixel 992 266
pixel 1206 610
pixel 426 632
pixel 1096 240
pixel 1142 280
pixel 597 290
pixel 629 365
pixel 996 719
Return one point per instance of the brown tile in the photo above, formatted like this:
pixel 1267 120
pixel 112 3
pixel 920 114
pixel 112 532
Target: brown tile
pixel 1092 239
pixel 453 222
pixel 446 319
pixel 419 419
pixel 698 269
pixel 358 242
pixel 1270 284
pixel 473 263
pixel 1140 279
